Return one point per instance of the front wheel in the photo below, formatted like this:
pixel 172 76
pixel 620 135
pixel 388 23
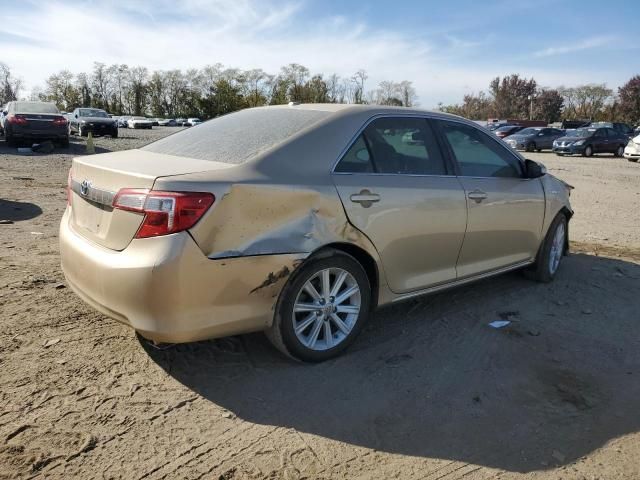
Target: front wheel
pixel 322 308
pixel 530 147
pixel 551 251
pixel 588 151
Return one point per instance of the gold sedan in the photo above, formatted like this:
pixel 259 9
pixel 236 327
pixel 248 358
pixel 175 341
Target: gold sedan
pixel 299 220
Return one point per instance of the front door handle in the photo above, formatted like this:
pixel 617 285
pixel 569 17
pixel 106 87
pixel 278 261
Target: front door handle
pixel 477 195
pixel 365 198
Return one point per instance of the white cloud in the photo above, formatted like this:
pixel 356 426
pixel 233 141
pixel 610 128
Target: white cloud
pixel 42 38
pixel 586 44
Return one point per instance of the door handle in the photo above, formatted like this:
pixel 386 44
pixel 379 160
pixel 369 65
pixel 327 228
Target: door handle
pixel 365 198
pixel 477 195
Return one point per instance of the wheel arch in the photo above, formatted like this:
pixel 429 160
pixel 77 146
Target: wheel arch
pixel 364 258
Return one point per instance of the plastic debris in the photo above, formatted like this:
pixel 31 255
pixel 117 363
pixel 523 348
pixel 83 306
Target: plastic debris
pixel 51 342
pixel 499 323
pixel 44 147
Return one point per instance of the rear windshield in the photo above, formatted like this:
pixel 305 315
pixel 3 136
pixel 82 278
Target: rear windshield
pixel 93 112
pixel 35 107
pixel 236 137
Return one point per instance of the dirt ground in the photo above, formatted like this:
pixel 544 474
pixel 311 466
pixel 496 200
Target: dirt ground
pixel 429 390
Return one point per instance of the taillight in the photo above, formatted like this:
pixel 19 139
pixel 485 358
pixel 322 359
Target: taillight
pixel 164 212
pixel 14 119
pixel 60 121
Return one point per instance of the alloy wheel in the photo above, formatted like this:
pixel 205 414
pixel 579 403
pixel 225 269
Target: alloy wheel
pixel 557 248
pixel 326 309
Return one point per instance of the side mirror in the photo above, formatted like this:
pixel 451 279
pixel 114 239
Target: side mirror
pixel 76 115
pixel 534 169
pixel 4 112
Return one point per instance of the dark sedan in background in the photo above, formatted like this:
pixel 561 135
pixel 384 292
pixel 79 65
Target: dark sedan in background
pixel 506 130
pixel 94 120
pixel 534 138
pixel 587 141
pixel 29 121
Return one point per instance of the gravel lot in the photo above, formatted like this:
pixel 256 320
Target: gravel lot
pixel 428 391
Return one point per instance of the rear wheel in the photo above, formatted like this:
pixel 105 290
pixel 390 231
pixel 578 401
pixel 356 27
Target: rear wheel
pixel 619 151
pixel 64 143
pixel 530 147
pixel 322 308
pixel 551 251
pixel 588 151
pixel 114 133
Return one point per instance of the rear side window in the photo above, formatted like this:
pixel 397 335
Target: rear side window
pixel 477 154
pixel 397 146
pixel 238 136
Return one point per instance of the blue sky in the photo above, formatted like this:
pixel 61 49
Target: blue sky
pixel 447 48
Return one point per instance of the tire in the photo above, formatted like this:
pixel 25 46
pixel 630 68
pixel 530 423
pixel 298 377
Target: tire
pixel 588 151
pixel 64 143
pixel 320 336
pixel 530 147
pixel 619 151
pixel 114 133
pixel 8 138
pixel 538 149
pixel 551 252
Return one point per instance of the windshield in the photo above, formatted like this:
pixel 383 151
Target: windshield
pixel 581 132
pixel 35 107
pixel 529 131
pixel 92 112
pixel 236 137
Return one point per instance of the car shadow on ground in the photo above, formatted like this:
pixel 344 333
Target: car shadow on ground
pixel 18 211
pixel 431 378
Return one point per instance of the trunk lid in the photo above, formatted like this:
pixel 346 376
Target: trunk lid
pixel 96 179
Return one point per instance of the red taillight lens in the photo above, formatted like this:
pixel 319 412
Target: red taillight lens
pixel 60 121
pixel 16 119
pixel 164 212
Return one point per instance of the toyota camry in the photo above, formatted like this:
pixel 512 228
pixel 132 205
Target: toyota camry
pixel 299 220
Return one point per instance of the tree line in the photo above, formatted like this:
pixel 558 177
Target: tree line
pixel 207 92
pixel 516 97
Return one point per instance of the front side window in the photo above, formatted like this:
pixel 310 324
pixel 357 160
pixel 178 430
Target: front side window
pixel 395 145
pixel 477 154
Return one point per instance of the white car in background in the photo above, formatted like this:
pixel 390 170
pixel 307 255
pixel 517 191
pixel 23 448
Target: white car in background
pixel 632 150
pixel 139 122
pixel 192 122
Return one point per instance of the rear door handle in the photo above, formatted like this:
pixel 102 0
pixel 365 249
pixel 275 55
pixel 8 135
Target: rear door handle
pixel 477 195
pixel 365 198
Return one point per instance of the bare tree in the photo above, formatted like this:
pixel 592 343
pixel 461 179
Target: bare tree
pixel 10 87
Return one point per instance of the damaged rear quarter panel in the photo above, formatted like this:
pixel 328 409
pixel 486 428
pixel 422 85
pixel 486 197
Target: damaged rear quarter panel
pixel 255 219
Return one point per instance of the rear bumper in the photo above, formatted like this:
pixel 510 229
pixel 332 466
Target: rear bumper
pixel 169 291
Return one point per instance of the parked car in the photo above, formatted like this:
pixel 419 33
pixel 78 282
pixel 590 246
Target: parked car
pixel 619 127
pixel 181 121
pixel 534 138
pixel 299 220
pixel 123 121
pixel 192 122
pixel 167 122
pixel 632 150
pixel 94 120
pixel 506 130
pixel 34 121
pixel 155 122
pixel 139 122
pixel 590 140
